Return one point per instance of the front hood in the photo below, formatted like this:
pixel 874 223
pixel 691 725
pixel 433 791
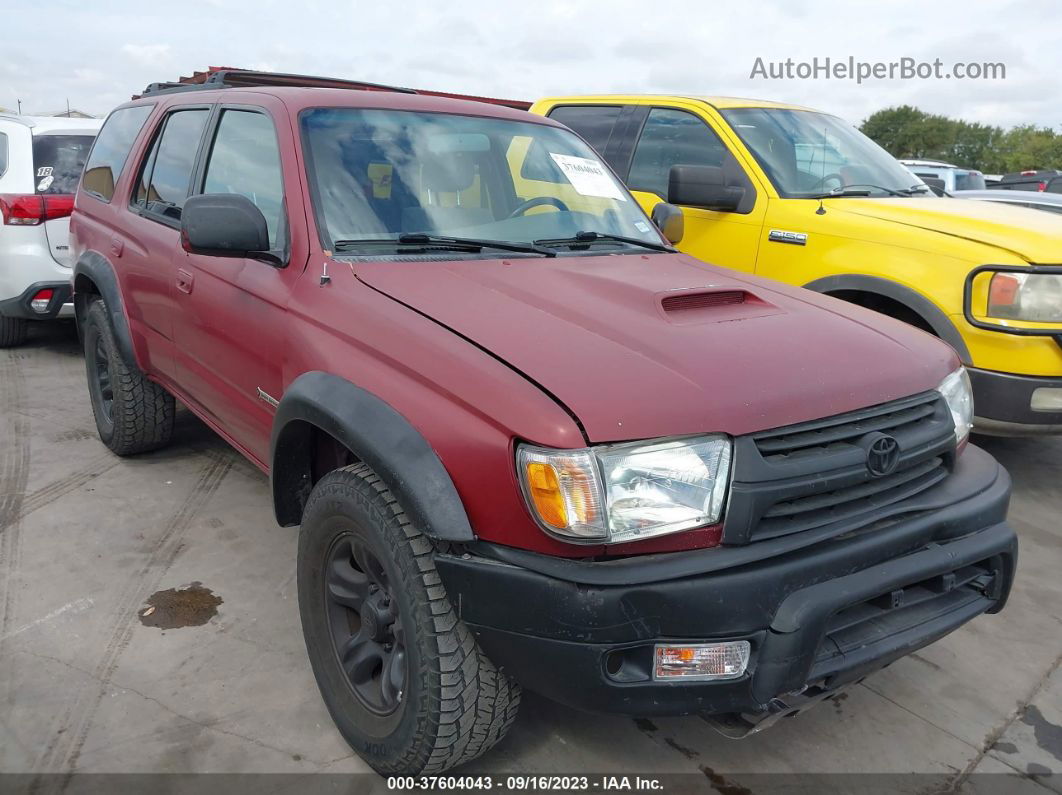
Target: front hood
pixel 1033 235
pixel 592 331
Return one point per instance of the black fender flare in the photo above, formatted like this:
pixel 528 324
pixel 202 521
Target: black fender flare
pixel 374 432
pixel 919 304
pixel 94 266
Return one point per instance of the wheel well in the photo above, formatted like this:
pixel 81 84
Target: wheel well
pixel 884 305
pixel 84 289
pixel 303 454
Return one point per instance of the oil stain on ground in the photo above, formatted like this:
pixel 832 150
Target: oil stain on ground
pixel 1048 734
pixel 173 608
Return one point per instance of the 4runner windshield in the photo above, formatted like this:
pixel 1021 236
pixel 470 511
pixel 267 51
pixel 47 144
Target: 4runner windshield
pixel 436 182
pixel 807 154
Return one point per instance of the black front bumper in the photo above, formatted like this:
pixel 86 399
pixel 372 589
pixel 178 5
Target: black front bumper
pixel 1002 403
pixel 820 615
pixel 19 306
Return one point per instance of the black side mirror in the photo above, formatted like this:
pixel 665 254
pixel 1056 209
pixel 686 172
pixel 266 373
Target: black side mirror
pixel 702 186
pixel 670 221
pixel 224 225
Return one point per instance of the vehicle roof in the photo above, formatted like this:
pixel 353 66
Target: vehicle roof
pixel 917 162
pixel 715 101
pixel 1022 196
pixel 299 98
pixel 52 124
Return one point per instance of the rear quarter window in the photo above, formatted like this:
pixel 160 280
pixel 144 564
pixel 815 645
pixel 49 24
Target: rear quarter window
pixel 3 154
pixel 58 161
pixel 113 143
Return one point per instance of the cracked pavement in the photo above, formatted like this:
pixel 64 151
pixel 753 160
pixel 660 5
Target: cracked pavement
pixel 86 539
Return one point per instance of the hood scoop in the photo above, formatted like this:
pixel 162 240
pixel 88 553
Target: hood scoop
pixel 700 305
pixel 702 300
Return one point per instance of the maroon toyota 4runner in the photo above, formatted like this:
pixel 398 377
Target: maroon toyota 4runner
pixel 528 442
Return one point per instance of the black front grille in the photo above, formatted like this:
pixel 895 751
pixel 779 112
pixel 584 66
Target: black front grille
pixel 814 437
pixel 815 475
pixel 805 513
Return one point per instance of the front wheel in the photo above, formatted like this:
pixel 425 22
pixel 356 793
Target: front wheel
pixel 402 676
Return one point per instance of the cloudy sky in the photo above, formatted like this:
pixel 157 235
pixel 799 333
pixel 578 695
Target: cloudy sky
pixel 96 54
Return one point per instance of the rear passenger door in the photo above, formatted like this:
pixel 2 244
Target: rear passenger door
pixel 150 239
pixel 230 328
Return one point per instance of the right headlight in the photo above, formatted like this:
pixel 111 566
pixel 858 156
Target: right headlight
pixel 626 492
pixel 1035 297
pixel 959 396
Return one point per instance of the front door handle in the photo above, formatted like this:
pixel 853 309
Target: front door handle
pixel 185 281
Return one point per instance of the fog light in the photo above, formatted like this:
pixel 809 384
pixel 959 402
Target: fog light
pixel 1046 398
pixel 39 302
pixel 702 660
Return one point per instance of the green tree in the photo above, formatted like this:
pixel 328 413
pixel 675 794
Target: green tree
pixel 907 132
pixel 1031 147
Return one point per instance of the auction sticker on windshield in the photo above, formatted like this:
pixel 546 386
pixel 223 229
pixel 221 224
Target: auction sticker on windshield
pixel 588 177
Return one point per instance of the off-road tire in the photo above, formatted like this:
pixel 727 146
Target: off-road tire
pixel 141 414
pixel 12 331
pixel 456 704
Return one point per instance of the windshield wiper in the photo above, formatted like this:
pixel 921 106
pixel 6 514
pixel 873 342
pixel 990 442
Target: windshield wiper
pixel 422 241
pixel 585 238
pixel 859 189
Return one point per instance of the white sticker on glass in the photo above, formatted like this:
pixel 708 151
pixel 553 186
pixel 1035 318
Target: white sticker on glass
pixel 588 177
pixel 45 183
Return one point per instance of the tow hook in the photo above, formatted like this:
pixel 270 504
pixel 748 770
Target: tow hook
pixel 739 725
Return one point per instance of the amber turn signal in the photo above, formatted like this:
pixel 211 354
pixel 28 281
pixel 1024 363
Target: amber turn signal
pixel 545 492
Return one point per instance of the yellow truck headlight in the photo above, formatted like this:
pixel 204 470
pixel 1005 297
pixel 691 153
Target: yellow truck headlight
pixel 1034 297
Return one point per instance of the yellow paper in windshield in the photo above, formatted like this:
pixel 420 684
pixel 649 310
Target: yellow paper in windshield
pixel 380 174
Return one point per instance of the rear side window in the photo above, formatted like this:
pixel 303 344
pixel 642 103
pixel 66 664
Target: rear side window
pixel 245 159
pixel 112 147
pixel 58 161
pixel 593 122
pixel 3 154
pixel 969 180
pixel 166 176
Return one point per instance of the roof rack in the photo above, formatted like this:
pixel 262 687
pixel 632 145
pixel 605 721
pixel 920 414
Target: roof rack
pixel 244 78
pixel 226 77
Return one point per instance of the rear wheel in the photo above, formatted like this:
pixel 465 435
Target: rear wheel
pixel 402 676
pixel 133 415
pixel 12 331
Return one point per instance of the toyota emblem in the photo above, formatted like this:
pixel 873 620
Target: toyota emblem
pixel 883 455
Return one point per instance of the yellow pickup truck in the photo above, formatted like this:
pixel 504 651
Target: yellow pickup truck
pixel 802 196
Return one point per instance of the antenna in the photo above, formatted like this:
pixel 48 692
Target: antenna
pixel 822 178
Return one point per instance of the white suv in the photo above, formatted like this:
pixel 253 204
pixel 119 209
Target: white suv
pixel 954 177
pixel 41 158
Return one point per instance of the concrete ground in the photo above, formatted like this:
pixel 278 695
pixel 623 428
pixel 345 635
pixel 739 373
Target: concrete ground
pixel 85 686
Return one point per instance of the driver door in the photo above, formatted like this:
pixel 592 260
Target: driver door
pixel 673 136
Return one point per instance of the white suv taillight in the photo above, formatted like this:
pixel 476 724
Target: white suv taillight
pixel 39 303
pixel 33 208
